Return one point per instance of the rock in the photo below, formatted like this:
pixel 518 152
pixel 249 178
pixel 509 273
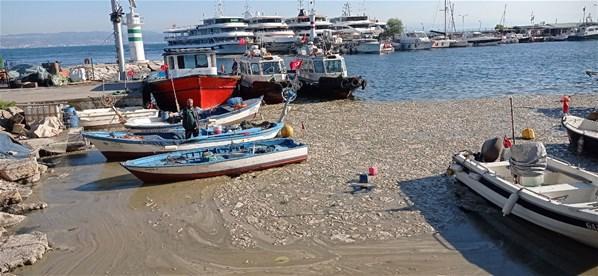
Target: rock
pixel 14 110
pixel 24 249
pixel 342 237
pixel 23 208
pixel 251 219
pixel 2 232
pixel 24 191
pixel 33 179
pixel 50 127
pixel 18 169
pixel 9 197
pixel 5 114
pixel 7 220
pixel 42 168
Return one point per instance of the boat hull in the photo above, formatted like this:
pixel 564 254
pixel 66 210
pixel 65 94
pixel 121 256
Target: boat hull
pixel 582 38
pixel 106 117
pixel 271 91
pixel 528 207
pixel 122 149
pixel 230 168
pixel 423 45
pixel 206 91
pixel 331 88
pixel 579 141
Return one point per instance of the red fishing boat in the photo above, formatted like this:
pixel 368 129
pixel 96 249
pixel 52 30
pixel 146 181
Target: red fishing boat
pixel 191 73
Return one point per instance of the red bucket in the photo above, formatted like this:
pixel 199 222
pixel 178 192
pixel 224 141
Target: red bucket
pixel 373 171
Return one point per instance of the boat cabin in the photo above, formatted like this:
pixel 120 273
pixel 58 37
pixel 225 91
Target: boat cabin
pixel 258 65
pixel 186 62
pixel 317 64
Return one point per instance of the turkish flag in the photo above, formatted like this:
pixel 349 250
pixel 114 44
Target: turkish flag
pixel 296 64
pixel 506 142
pixel 304 38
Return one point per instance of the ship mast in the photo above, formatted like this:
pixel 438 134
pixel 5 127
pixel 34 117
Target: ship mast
pixel 312 20
pixel 247 10
pixel 116 19
pixel 445 11
pixel 219 8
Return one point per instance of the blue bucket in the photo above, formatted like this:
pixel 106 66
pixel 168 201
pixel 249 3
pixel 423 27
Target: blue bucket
pixel 363 178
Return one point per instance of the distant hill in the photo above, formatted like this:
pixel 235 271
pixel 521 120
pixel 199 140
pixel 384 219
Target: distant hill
pixel 36 40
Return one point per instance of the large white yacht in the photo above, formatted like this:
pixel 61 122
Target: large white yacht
pixel 416 40
pixel 301 25
pixel 272 33
pixel 225 35
pixel 348 25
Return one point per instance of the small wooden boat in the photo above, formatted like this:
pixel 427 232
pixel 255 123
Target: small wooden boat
pixel 559 197
pixel 225 160
pixel 192 74
pixel 126 145
pixel 107 117
pixel 222 115
pixel 583 133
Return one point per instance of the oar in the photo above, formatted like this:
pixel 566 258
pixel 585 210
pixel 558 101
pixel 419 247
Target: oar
pixel 121 118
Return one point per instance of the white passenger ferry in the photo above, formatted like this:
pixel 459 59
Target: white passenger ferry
pixel 272 33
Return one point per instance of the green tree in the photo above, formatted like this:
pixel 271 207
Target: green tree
pixel 499 27
pixel 394 26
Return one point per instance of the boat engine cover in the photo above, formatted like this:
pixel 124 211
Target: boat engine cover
pixel 528 160
pixel 491 150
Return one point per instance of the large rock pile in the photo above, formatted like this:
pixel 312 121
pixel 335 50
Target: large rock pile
pixel 17 177
pixel 109 72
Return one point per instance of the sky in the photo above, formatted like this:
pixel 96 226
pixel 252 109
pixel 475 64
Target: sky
pixel 29 16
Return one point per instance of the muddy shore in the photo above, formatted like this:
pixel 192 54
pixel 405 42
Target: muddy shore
pixel 302 219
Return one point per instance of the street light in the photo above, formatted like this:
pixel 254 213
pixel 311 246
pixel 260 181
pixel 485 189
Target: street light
pixel 463 21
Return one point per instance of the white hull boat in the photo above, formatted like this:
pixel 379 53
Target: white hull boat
pixel 563 199
pixel 224 115
pixel 106 117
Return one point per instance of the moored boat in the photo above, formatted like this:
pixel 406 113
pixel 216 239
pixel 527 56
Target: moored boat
pixel 583 133
pixel 414 41
pixel 125 145
pixel 192 73
pixel 108 117
pixel 542 190
pixel 226 160
pixel 222 115
pixel 324 75
pixel 262 75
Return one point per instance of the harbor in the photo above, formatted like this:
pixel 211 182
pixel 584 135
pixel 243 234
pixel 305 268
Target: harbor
pixel 259 143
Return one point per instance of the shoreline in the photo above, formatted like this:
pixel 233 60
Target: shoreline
pixel 301 217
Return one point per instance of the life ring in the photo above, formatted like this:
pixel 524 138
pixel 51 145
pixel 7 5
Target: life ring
pixel 355 82
pixel 364 84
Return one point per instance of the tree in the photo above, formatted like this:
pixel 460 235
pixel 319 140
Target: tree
pixel 394 26
pixel 499 27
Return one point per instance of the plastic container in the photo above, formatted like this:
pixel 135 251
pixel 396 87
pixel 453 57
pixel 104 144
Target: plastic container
pixel 70 118
pixel 163 115
pixel 373 171
pixel 363 178
pixel 531 181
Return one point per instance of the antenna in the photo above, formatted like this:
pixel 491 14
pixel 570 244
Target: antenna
pixel 219 8
pixel 532 18
pixel 247 10
pixel 346 9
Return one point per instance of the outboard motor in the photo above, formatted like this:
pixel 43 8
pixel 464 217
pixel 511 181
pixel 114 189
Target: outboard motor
pixel 528 163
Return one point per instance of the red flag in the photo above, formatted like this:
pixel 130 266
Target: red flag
pixel 296 64
pixel 242 41
pixel 304 38
pixel 164 67
pixel 506 142
pixel 565 100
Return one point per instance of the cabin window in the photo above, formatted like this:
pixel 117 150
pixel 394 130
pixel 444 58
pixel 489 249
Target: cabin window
pixel 319 66
pixel 189 61
pixel 255 69
pixel 170 62
pixel 201 61
pixel 271 68
pixel 180 62
pixel 334 66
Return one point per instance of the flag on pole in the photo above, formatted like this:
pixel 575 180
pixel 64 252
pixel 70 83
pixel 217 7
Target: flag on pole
pixel 296 64
pixel 242 41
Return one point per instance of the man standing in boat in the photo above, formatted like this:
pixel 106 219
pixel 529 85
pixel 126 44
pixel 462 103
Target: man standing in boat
pixel 190 120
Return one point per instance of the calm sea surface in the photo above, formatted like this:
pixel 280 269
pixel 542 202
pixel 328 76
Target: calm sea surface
pixel 538 68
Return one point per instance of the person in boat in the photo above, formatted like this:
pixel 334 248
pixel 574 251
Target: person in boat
pixel 235 68
pixel 190 120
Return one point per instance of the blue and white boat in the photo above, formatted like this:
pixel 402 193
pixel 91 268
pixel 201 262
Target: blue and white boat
pixel 225 160
pixel 122 145
pixel 222 115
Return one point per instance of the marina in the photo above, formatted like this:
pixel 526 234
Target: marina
pixel 253 142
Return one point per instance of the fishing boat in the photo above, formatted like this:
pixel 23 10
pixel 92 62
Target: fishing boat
pixel 262 75
pixel 542 190
pixel 585 31
pixel 583 133
pixel 121 145
pixel 231 160
pixel 324 75
pixel 109 117
pixel 191 74
pixel 223 115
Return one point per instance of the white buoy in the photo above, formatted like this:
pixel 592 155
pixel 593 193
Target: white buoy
pixel 137 51
pixel 508 207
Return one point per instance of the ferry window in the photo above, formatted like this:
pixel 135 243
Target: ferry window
pixel 180 62
pixel 170 62
pixel 271 67
pixel 255 69
pixel 201 61
pixel 334 66
pixel 318 66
